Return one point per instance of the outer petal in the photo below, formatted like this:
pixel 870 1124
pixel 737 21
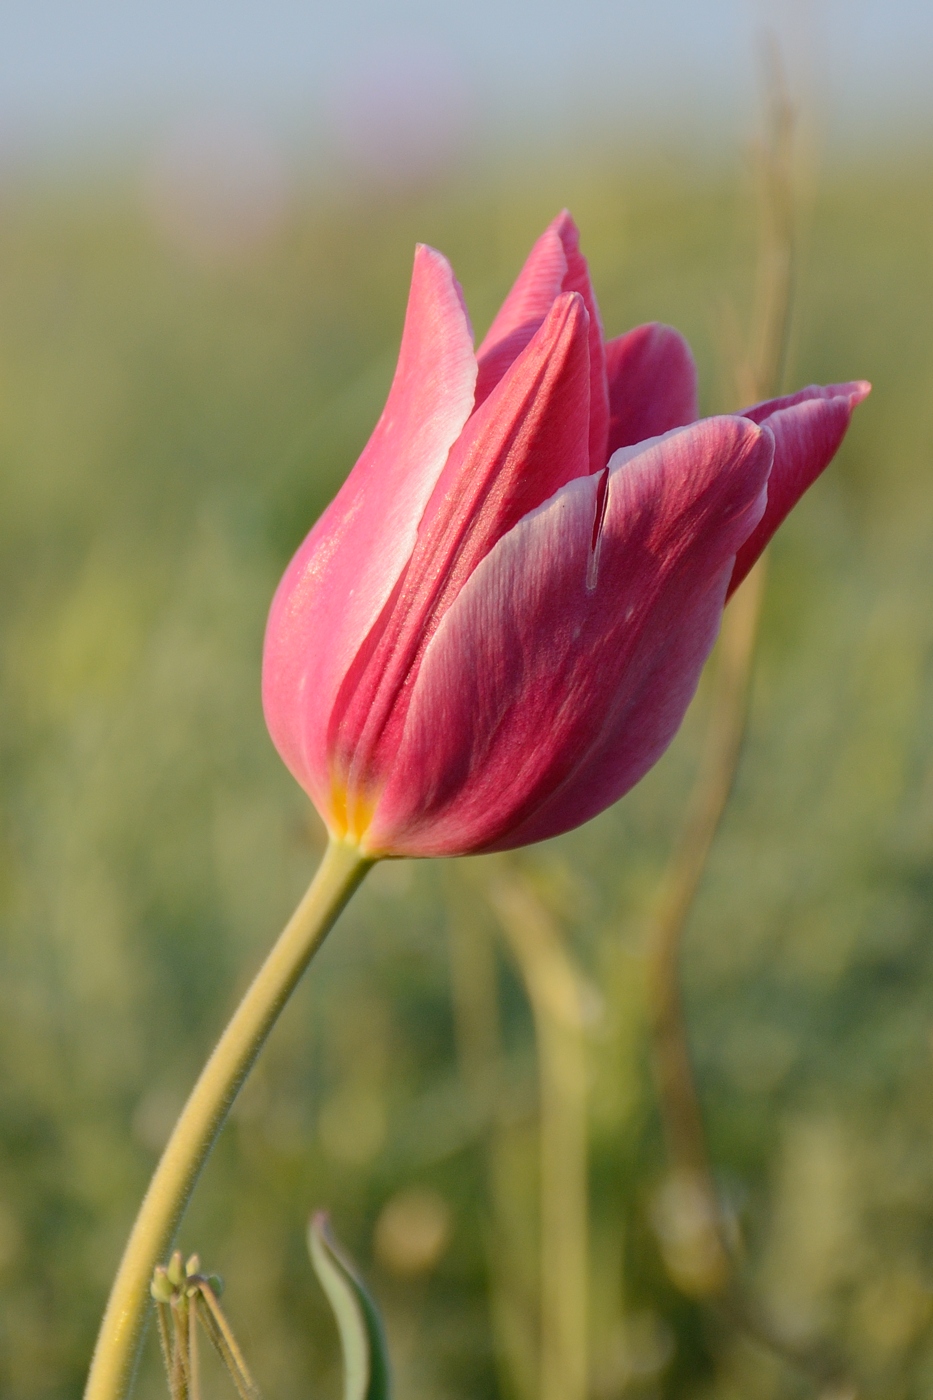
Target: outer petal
pixel 527 440
pixel 338 582
pixel 561 673
pixel 808 427
pixel 652 384
pixel 555 264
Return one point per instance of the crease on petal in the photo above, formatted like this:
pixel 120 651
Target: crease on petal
pixel 652 384
pixel 538 701
pixel 808 428
pixel 341 576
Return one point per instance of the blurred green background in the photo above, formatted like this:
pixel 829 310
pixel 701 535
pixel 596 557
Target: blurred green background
pixel 170 425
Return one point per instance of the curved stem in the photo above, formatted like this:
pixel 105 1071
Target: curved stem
pixel 338 875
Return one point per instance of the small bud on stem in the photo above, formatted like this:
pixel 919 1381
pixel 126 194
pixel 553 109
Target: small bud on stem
pixel 185 1297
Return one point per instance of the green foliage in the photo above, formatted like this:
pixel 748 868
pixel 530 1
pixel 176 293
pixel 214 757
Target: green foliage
pixel 362 1342
pixel 168 432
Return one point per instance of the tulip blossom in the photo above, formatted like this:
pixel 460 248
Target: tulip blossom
pixel 495 628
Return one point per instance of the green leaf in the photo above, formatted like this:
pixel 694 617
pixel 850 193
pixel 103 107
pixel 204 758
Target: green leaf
pixel 362 1340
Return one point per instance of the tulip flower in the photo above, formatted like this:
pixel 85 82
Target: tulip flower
pixel 495 628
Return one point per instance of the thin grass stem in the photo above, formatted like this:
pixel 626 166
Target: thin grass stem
pixel 480 1053
pixel 694 1234
pixel 194 1368
pixel 181 1370
pixel 230 1350
pixel 555 993
pixel 165 1346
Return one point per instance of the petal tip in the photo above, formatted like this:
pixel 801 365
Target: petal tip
pixel 565 224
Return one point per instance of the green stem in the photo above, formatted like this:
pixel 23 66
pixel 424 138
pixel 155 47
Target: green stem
pixel 338 875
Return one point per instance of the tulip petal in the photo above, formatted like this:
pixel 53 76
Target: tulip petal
pixel 338 582
pixel 540 281
pixel 526 441
pixel 554 265
pixel 808 427
pixel 652 384
pixel 578 280
pixel 561 672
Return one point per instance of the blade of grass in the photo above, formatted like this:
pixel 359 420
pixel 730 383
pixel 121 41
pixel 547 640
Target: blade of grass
pixel 555 993
pixel 474 986
pixel 362 1341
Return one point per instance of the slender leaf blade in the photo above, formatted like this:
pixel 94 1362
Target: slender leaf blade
pixel 362 1339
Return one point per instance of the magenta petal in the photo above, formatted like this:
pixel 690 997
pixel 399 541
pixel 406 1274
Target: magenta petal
pixel 527 440
pixel 338 582
pixel 523 311
pixel 652 384
pixel 554 265
pixel 560 675
pixel 578 280
pixel 808 427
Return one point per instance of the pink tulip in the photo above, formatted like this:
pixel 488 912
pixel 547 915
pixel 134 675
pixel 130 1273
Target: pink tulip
pixel 495 628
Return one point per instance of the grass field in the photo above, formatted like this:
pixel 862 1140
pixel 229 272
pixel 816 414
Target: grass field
pixel 168 433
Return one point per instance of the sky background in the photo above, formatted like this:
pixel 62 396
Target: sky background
pixel 100 80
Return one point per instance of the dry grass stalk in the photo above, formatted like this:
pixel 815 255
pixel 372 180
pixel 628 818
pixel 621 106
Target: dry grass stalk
pixel 693 1231
pixel 557 997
